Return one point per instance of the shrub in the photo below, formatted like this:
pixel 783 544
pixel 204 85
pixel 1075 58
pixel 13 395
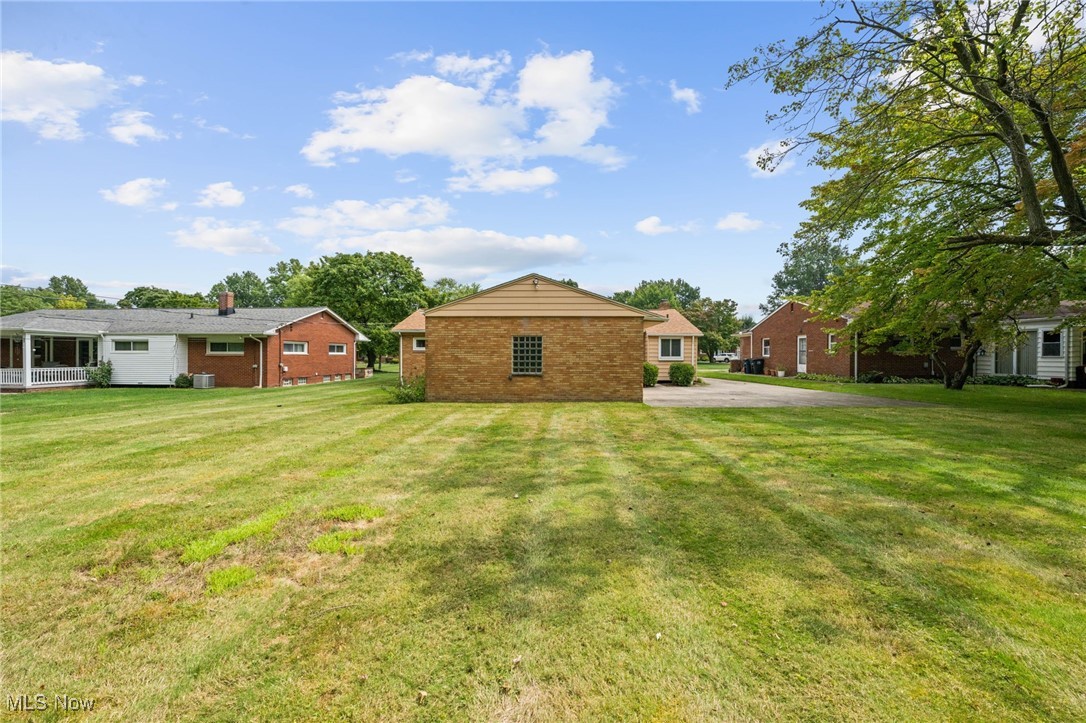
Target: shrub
pixel 824 378
pixel 871 378
pixel 183 381
pixel 649 374
pixel 681 374
pixel 100 376
pixel 410 392
pixel 1002 380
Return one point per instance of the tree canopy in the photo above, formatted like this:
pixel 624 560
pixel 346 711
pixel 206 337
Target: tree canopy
pixel 250 291
pixel 954 133
pixel 152 297
pixel 649 294
pixel 808 265
pixel 445 290
pixel 62 292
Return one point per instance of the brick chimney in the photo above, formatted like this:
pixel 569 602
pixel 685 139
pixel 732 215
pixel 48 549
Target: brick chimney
pixel 226 303
pixel 665 304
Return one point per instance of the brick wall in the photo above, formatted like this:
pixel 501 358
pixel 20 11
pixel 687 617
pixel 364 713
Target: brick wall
pixel 597 359
pixel 242 370
pixel 229 370
pixel 412 363
pixel 319 330
pixel 794 320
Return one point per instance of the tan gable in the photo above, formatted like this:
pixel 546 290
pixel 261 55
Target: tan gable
pixel 538 296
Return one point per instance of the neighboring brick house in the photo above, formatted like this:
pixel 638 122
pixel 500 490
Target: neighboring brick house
pixel 792 340
pixel 151 347
pixel 676 340
pixel 530 339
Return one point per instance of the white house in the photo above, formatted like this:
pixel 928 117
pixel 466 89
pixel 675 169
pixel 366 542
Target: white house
pixel 1046 351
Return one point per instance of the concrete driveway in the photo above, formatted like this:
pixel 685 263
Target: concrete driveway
pixel 726 393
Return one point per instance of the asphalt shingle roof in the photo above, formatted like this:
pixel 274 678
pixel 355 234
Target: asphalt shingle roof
pixel 154 321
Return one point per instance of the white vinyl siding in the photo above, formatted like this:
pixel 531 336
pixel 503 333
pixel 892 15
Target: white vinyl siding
pixel 156 366
pixel 1048 367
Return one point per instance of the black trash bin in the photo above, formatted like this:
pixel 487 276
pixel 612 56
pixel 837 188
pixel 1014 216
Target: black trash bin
pixel 746 366
pixel 757 366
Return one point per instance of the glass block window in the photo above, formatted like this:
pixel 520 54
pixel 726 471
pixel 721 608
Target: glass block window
pixel 527 355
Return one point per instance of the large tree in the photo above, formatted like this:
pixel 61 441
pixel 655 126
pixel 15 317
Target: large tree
pixel 279 279
pixel 808 266
pixel 649 294
pixel 70 288
pixel 373 291
pixel 717 320
pixel 152 297
pixel 249 290
pixel 446 289
pixel 954 133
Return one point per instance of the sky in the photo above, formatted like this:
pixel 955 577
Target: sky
pixel 170 144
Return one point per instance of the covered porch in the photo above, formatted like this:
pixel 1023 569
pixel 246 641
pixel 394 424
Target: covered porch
pixel 34 361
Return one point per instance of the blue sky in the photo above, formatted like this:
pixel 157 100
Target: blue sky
pixel 172 144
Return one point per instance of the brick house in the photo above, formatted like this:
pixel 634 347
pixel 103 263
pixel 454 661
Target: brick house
pixel 790 339
pixel 274 347
pixel 676 340
pixel 529 339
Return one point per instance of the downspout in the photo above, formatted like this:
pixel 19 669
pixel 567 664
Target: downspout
pixel 401 359
pixel 260 383
pixel 855 357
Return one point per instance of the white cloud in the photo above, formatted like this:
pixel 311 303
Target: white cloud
pixel 346 218
pixel 688 96
pixel 224 237
pixel 653 226
pixel 477 127
pixel 403 175
pixel 135 80
pixel 503 180
pixel 137 192
pixel 221 194
pixel 170 206
pixel 300 190
pixel 740 222
pixel 19 277
pixel 129 126
pixel 758 156
pixel 480 72
pixel 204 124
pixel 412 56
pixel 49 97
pixel 466 253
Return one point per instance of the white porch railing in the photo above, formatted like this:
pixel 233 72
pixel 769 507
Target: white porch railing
pixel 44 377
pixel 11 377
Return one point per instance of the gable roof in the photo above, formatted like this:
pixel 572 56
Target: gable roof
pixel 254 322
pixel 415 322
pixel 532 308
pixel 676 325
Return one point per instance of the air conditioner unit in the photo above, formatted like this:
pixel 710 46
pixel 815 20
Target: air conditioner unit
pixel 203 381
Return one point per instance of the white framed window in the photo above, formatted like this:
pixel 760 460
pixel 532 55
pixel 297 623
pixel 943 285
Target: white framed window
pixel 295 347
pixel 337 349
pixel 418 343
pixel 231 347
pixel 339 377
pixel 956 342
pixel 1051 343
pixel 326 378
pixel 302 380
pixel 765 346
pixel 287 382
pixel 527 355
pixel 671 348
pixel 831 341
pixel 131 345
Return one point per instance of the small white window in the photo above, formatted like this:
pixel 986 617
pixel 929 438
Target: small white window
pixel 765 347
pixel 302 380
pixel 225 347
pixel 1051 343
pixel 831 341
pixel 295 347
pixel 130 345
pixel 339 377
pixel 326 378
pixel 337 348
pixel 419 344
pixel 286 382
pixel 671 348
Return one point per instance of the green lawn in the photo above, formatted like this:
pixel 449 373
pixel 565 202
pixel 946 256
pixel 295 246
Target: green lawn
pixel 318 553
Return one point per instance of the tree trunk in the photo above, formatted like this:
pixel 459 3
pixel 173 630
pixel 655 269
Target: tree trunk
pixel 371 358
pixel 960 376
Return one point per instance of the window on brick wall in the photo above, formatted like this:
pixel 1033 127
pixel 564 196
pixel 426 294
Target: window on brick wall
pixel 302 380
pixel 295 347
pixel 286 382
pixel 765 347
pixel 831 341
pixel 327 378
pixel 218 347
pixel 671 348
pixel 527 355
pixel 337 348
pixel 1051 343
pixel 419 344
